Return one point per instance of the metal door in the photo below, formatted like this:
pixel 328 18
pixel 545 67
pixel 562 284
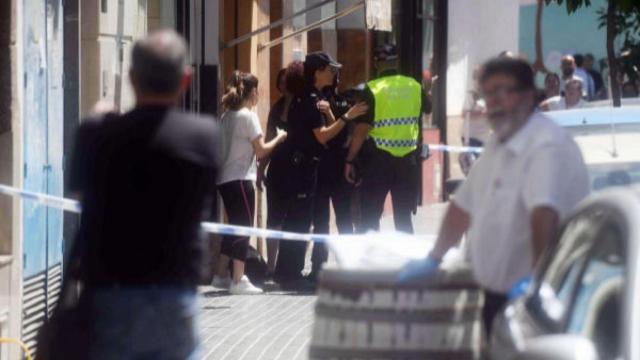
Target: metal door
pixel 55 126
pixel 43 159
pixel 35 134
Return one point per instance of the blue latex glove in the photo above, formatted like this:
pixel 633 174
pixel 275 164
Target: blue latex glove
pixel 520 287
pixel 419 269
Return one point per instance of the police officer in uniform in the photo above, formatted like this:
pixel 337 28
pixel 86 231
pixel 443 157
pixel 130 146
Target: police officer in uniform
pixel 293 170
pixel 333 188
pixel 385 146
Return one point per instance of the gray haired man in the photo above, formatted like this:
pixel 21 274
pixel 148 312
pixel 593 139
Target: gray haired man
pixel 144 178
pixel 529 178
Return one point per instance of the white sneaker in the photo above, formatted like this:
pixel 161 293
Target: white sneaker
pixel 221 282
pixel 244 287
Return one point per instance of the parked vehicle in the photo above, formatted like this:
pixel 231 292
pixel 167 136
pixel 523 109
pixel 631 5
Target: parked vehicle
pixel 609 140
pixel 584 302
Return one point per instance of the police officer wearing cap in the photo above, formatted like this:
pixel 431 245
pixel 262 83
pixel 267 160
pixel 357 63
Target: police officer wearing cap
pixel 333 190
pixel 384 152
pixel 310 127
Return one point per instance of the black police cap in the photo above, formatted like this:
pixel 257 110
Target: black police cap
pixel 321 59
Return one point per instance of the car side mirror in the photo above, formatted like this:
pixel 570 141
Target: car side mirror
pixel 558 347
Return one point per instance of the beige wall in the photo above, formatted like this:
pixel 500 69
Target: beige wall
pixel 104 74
pixel 160 14
pixel 10 163
pixel 9 115
pixel 10 158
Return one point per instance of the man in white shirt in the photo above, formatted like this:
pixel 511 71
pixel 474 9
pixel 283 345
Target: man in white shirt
pixel 530 176
pixel 572 98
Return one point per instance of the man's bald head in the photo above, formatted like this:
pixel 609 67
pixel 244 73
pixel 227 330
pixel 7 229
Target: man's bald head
pixel 568 66
pixel 158 63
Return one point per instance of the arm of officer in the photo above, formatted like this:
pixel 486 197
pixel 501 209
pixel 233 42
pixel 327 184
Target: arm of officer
pixel 360 132
pixel 358 138
pixel 325 133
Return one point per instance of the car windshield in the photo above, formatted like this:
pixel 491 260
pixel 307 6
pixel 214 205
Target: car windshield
pixel 595 311
pixel 559 280
pixel 581 289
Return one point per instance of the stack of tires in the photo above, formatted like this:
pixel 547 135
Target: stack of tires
pixel 369 315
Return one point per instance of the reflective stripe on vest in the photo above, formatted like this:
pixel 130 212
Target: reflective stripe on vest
pixel 398 102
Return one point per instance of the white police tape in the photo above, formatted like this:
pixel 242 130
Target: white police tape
pixel 455 149
pixel 217 228
pixel 42 199
pixel 210 227
pixel 235 230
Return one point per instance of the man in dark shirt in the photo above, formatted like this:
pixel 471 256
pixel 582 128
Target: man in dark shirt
pixel 143 179
pixel 597 77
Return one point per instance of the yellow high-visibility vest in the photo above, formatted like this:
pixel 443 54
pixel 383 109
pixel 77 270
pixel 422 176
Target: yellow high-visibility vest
pixel 398 105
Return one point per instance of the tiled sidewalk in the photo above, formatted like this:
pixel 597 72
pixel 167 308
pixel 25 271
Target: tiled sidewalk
pixel 276 325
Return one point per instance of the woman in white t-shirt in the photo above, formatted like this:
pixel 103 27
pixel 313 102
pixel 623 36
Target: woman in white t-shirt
pixel 242 142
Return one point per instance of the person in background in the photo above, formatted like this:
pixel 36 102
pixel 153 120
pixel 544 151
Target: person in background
pixel 529 178
pixel 333 188
pixel 598 81
pixel 475 129
pixel 551 85
pixel 568 67
pixel 242 141
pixel 279 201
pixel 294 170
pixel 277 120
pixel 587 80
pixel 145 179
pixel 571 100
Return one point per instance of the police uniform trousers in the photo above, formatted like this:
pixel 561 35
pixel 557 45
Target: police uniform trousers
pixel 332 189
pixel 384 173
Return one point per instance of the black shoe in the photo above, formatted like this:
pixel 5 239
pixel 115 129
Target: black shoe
pixel 313 277
pixel 298 285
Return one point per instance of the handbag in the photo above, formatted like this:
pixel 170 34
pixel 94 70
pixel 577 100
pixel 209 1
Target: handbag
pixel 66 334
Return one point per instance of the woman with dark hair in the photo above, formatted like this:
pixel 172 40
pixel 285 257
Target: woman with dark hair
pixel 277 120
pixel 242 141
pixel 551 85
pixel 292 174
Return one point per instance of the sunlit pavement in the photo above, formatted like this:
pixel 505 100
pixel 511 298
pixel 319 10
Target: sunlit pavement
pixel 271 326
pixel 276 325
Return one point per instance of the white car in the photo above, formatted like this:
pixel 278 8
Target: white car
pixel 610 142
pixel 584 302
